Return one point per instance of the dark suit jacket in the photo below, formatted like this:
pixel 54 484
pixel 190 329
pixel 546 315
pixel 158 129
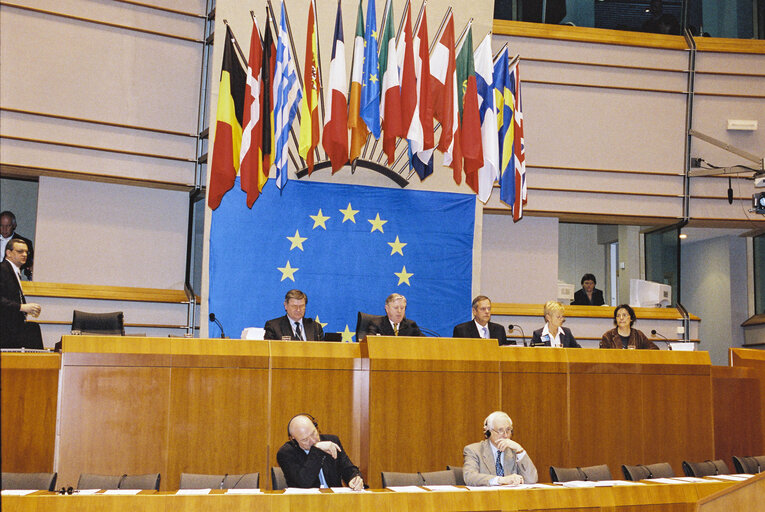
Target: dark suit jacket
pixel 580 298
pixel 11 318
pixel 469 330
pixel 281 326
pixel 566 339
pixel 611 339
pixel 301 469
pixel 26 268
pixel 383 327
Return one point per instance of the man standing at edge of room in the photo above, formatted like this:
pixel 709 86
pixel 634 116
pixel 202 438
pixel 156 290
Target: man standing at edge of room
pixel 294 324
pixel 14 330
pixel 481 326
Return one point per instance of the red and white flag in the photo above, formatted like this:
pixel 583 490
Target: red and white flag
pixel 444 89
pixel 250 154
pixel 390 105
pixel 335 139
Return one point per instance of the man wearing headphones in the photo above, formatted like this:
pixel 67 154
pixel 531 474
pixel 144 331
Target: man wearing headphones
pixel 310 459
pixel 497 460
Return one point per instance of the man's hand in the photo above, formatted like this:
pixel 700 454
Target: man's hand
pixel 510 480
pixel 356 483
pixel 328 447
pixel 31 308
pixel 504 444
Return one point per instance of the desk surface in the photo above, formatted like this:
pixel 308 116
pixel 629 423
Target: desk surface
pixel 671 497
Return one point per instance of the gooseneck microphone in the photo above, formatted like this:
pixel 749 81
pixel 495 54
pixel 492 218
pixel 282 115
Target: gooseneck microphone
pixel 512 327
pixel 213 319
pixel 666 340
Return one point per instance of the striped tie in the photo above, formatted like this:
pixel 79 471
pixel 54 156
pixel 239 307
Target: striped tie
pixel 500 469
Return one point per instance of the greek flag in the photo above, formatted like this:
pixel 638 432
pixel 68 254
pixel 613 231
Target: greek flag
pixel 287 94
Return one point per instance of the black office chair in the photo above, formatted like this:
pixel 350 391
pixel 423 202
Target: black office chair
pixel 590 473
pixel 458 475
pixel 750 465
pixel 393 479
pixel 99 323
pixel 38 481
pixel 706 468
pixel 147 481
pixel 278 482
pixel 200 481
pixel 642 472
pixel 362 324
pixel 445 477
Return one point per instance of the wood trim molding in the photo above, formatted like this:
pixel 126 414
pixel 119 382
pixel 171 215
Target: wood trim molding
pixel 606 65
pixel 608 192
pixel 610 87
pixel 151 326
pixel 588 35
pixel 517 309
pixel 26 172
pixel 592 169
pixel 727 45
pixel 97 292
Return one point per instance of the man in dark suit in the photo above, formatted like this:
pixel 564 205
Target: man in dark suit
pixel 15 332
pixel 553 334
pixel 588 295
pixel 394 323
pixel 480 326
pixel 7 232
pixel 310 459
pixel 294 324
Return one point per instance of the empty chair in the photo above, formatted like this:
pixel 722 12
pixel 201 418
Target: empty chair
pixel 590 473
pixel 362 324
pixel 278 482
pixel 199 481
pixel 445 477
pixel 148 481
pixel 706 468
pixel 98 323
pixel 751 465
pixel 458 476
pixel 38 481
pixel 641 472
pixel 393 479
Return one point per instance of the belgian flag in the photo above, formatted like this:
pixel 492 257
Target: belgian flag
pixel 228 128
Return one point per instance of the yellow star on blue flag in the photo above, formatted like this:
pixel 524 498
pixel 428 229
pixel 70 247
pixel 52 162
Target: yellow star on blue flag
pixel 370 84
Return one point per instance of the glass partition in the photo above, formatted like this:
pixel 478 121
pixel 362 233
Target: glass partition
pixel 662 258
pixel 758 243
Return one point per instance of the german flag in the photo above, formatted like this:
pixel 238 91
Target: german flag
pixel 228 127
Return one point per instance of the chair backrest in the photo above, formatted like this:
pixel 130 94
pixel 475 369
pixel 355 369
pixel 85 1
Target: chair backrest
pixel 458 476
pixel 145 482
pixel 245 481
pixel 590 473
pixel 706 468
pixel 445 477
pixel 362 324
pixel 91 481
pixel 751 465
pixel 98 323
pixel 39 481
pixel 641 472
pixel 278 482
pixel 199 481
pixel 393 479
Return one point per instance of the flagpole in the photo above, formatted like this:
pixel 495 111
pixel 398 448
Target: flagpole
pixel 270 8
pixel 494 58
pixel 379 50
pixel 236 45
pixel 458 44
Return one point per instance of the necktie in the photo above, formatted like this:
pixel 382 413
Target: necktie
pixel 298 331
pixel 500 469
pixel 485 332
pixel 395 329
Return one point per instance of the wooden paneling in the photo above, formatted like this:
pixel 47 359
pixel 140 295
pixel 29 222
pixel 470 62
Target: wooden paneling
pixel 29 387
pixel 738 414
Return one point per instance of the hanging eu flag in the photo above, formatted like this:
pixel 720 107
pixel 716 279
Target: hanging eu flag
pixel 370 78
pixel 347 247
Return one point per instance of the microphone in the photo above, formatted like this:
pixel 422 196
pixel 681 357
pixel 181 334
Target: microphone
pixel 512 328
pixel 666 340
pixel 429 332
pixel 222 480
pixel 213 319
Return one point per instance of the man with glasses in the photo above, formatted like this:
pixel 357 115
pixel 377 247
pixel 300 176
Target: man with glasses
pixel 497 460
pixel 294 325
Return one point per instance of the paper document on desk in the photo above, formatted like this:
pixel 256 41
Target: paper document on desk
pixel 244 491
pixel 124 492
pixel 666 481
pixel 444 488
pixel 406 488
pixel 196 492
pixel 300 490
pixel 345 490
pixel 692 479
pixel 733 478
pixel 18 492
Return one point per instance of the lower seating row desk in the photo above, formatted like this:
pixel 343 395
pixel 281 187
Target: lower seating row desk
pixel 172 405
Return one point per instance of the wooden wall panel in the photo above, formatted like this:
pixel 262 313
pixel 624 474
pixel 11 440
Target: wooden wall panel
pixel 29 387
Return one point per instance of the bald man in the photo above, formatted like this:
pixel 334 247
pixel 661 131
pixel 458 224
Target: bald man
pixel 310 459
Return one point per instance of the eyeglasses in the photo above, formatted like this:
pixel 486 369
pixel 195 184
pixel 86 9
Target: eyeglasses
pixel 503 431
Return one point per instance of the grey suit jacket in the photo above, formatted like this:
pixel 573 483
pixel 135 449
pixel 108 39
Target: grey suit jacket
pixel 479 465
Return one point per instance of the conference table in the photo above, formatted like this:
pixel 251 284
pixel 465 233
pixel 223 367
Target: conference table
pixel 172 405
pixel 642 496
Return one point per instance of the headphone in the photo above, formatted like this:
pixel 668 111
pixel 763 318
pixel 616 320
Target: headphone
pixel 66 490
pixel 487 429
pixel 313 420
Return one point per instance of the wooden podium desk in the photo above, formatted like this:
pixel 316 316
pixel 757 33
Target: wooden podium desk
pixel 29 390
pixel 666 497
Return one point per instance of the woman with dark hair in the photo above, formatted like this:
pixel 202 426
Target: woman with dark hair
pixel 588 295
pixel 623 335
